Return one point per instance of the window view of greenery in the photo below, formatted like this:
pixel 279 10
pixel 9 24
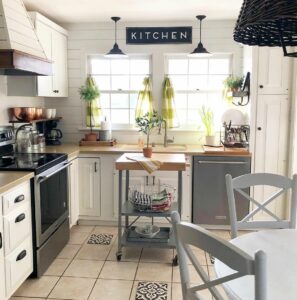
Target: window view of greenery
pixel 119 81
pixel 198 82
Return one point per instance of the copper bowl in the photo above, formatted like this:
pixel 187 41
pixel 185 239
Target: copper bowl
pixel 25 114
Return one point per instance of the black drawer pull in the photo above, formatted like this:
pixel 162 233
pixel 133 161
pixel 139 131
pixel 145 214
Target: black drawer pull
pixel 0 240
pixel 20 218
pixel 21 255
pixel 19 198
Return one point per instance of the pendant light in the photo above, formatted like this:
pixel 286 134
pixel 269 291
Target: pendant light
pixel 116 52
pixel 200 51
pixel 268 23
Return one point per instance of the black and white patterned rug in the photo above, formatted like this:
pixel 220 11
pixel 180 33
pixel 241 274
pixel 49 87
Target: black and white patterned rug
pixel 151 291
pixel 100 239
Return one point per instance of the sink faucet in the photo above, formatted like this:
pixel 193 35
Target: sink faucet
pixel 166 140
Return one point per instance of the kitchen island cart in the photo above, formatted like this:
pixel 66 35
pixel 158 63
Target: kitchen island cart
pixel 126 233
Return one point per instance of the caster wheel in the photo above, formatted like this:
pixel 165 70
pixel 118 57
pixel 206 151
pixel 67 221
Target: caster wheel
pixel 119 257
pixel 175 261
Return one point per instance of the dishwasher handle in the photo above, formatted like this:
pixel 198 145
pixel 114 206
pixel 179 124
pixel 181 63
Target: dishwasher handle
pixel 220 162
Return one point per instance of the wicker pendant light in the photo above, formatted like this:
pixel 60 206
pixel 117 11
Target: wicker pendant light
pixel 115 52
pixel 268 23
pixel 200 51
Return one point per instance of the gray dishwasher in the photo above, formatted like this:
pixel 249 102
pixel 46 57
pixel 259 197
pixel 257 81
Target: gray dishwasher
pixel 210 204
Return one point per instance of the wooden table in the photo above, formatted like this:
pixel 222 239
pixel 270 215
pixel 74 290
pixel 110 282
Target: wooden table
pixel 280 247
pixel 170 162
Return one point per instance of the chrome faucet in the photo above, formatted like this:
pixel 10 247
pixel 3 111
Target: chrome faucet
pixel 166 140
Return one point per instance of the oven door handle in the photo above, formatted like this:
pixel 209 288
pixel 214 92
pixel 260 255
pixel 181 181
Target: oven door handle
pixel 43 178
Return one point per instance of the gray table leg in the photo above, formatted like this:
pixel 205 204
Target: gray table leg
pixel 127 196
pixel 180 191
pixel 119 252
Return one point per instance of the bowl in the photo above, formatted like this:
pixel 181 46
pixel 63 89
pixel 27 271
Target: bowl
pixel 25 114
pixel 38 113
pixel 147 231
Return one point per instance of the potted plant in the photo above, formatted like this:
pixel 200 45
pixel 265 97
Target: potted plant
pixel 232 85
pixel 146 124
pixel 89 93
pixel 207 117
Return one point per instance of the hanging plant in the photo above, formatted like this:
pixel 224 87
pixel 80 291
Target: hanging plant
pixel 231 84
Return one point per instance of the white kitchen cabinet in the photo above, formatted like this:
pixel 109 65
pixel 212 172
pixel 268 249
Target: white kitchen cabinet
pixel 273 71
pixel 73 182
pixel 2 265
pixel 90 186
pixel 53 39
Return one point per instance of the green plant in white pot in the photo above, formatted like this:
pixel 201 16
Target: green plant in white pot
pixel 207 118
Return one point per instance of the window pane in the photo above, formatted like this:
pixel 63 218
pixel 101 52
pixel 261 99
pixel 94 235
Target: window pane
pixel 140 66
pixel 178 66
pixel 136 83
pixel 181 100
pixel 132 116
pixel 182 116
pixel 120 83
pixel 198 66
pixel 193 116
pixel 106 114
pixel 197 82
pixel 104 100
pixel 119 100
pixel 103 82
pixel 197 100
pixel 219 66
pixel 179 82
pixel 216 82
pixel 133 100
pixel 100 66
pixel 120 116
pixel 119 66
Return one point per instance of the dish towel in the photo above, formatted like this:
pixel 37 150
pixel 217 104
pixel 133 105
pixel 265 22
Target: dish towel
pixel 148 164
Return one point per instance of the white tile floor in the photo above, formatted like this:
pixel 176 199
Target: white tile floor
pixel 91 272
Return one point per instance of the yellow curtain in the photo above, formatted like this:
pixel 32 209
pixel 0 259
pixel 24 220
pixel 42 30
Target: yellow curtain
pixel 145 99
pixel 168 104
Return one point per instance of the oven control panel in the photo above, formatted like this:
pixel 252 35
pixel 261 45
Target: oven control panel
pixel 6 135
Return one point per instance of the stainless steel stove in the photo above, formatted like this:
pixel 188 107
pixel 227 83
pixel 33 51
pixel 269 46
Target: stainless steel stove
pixel 49 190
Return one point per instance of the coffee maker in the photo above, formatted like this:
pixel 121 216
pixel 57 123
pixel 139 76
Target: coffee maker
pixel 53 135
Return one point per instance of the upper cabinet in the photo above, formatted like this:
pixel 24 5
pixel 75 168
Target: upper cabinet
pixel 273 71
pixel 53 39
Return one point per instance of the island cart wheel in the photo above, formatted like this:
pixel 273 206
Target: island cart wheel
pixel 175 261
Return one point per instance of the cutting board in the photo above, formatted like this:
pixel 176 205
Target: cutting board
pixel 224 150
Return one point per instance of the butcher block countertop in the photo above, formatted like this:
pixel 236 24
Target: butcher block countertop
pixel 11 179
pixel 74 150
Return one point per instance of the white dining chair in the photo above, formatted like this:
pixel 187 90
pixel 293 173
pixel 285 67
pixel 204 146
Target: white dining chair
pixel 238 184
pixel 188 235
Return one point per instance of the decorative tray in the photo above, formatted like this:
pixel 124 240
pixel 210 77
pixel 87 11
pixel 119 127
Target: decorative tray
pixel 111 142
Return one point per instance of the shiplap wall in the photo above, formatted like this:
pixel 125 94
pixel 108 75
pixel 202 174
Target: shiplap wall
pixel 6 101
pixel 98 38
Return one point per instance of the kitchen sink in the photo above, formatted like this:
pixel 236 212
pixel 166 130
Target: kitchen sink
pixel 158 147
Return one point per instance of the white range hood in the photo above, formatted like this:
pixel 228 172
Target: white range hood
pixel 20 50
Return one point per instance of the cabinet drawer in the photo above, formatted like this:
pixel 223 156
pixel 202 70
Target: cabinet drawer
pixel 16 197
pixel 17 226
pixel 18 266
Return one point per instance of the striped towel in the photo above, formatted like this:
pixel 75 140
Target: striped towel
pixel 148 164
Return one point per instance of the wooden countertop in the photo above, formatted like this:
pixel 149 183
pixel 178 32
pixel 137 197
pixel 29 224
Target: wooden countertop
pixel 170 162
pixel 74 150
pixel 10 179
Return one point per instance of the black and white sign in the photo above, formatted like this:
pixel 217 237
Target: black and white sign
pixel 159 35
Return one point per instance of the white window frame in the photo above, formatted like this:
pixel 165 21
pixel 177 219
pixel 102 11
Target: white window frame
pixel 130 57
pixel 168 56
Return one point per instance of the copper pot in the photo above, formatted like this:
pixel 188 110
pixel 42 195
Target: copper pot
pixel 147 152
pixel 25 114
pixel 38 113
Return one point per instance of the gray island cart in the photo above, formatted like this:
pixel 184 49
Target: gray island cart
pixel 170 162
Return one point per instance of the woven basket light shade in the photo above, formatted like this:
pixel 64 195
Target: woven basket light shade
pixel 268 23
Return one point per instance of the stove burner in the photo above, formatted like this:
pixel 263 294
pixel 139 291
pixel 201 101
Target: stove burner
pixel 6 160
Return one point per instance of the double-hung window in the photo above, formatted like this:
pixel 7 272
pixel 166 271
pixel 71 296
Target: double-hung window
pixel 197 82
pixel 119 81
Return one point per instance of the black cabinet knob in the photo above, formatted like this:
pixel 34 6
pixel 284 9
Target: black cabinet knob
pixel 259 128
pixel 261 86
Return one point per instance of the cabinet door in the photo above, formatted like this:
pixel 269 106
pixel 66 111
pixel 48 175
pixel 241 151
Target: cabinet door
pixel 59 57
pixel 90 187
pixel 74 192
pixel 271 143
pixel 273 71
pixel 45 83
pixel 2 274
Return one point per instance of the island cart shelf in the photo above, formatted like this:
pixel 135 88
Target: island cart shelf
pixel 170 162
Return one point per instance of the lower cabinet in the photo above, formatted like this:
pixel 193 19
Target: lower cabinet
pixel 73 183
pixel 89 169
pixel 16 257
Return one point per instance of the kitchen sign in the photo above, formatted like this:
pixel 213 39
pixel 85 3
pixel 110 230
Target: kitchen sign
pixel 159 35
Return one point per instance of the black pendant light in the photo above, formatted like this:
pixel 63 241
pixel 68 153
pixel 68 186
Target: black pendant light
pixel 115 52
pixel 200 51
pixel 268 23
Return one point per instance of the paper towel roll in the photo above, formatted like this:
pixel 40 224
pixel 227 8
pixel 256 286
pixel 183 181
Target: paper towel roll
pixel 105 125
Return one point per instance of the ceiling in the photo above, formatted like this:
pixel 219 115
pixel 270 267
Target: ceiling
pixel 77 11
